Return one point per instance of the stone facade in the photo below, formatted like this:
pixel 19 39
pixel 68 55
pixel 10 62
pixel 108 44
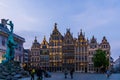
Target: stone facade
pixel 81 53
pixel 93 46
pixel 55 43
pixel 44 55
pixel 26 52
pixel 68 52
pixel 34 56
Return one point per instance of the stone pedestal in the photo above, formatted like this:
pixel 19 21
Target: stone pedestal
pixel 12 71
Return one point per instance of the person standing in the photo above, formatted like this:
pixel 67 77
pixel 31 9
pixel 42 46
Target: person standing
pixel 32 74
pixel 71 73
pixel 108 73
pixel 40 73
pixel 65 73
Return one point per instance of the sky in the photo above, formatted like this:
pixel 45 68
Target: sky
pixel 37 17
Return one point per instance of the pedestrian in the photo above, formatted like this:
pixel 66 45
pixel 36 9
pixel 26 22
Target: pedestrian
pixel 107 73
pixel 40 73
pixel 65 73
pixel 71 73
pixel 32 73
pixel 29 70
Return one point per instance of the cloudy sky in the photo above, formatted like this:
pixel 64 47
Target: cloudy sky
pixel 37 17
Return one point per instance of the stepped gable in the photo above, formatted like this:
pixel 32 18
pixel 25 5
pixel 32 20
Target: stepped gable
pixel 56 35
pixel 68 37
pixel 35 44
pixel 104 43
pixel 93 40
pixel 44 44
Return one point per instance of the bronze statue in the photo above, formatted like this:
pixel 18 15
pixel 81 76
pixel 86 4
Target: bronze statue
pixel 9 55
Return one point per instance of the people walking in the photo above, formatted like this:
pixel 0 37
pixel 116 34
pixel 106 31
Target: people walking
pixel 107 73
pixel 32 73
pixel 71 73
pixel 40 73
pixel 65 73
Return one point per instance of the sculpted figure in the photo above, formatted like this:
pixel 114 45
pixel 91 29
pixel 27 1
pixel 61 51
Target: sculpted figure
pixel 9 55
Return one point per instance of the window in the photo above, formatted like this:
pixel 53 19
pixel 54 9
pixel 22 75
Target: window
pixel 44 47
pixel 89 53
pixel 82 49
pixel 58 43
pixel 67 41
pixel 82 43
pixel 82 58
pixel 92 58
pixel 85 58
pixel 79 57
pixel 95 46
pixel 85 49
pixel 19 48
pixel 16 47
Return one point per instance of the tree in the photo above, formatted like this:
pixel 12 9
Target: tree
pixel 100 60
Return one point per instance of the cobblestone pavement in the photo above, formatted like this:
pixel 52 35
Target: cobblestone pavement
pixel 80 76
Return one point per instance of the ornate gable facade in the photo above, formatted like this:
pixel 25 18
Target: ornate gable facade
pixel 34 56
pixel 81 53
pixel 55 43
pixel 68 50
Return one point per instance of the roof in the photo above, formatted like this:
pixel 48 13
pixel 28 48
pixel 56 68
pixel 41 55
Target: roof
pixel 6 31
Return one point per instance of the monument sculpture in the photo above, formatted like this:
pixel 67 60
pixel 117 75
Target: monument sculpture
pixel 10 69
pixel 9 56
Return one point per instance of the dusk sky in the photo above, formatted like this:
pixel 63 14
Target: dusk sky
pixel 37 17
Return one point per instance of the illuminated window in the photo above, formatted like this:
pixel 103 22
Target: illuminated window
pixel 44 47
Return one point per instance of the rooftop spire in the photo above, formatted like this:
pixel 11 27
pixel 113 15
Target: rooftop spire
pixel 44 42
pixel 93 37
pixel 81 32
pixel 35 39
pixel 68 29
pixel 44 38
pixel 93 40
pixel 55 26
pixel 104 39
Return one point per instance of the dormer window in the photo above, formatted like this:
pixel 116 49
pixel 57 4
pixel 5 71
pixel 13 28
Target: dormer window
pixel 68 41
pixel 44 47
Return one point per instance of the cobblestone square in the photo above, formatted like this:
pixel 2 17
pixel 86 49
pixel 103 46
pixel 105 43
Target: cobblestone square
pixel 80 76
